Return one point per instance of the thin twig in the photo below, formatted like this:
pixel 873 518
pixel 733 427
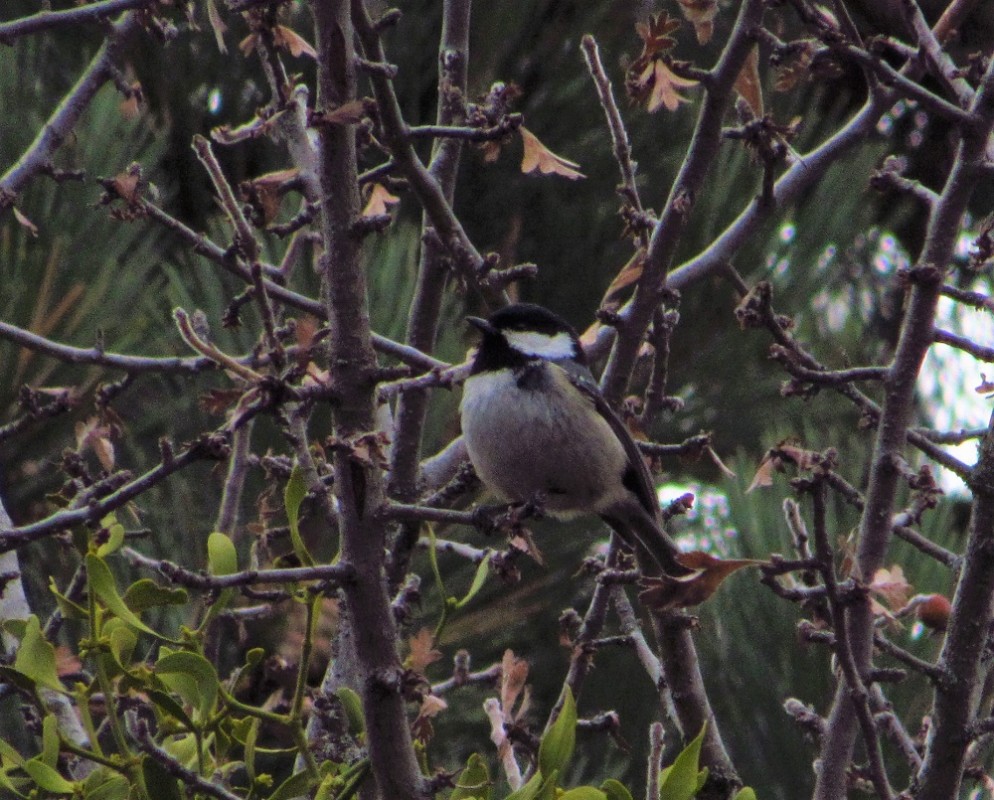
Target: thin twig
pixel 338 573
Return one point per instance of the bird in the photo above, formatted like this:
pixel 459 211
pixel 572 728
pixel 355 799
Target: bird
pixel 535 423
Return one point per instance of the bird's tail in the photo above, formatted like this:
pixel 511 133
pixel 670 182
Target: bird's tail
pixel 651 543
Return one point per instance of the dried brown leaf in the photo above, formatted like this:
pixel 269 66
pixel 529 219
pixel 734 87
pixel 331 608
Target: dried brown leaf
pixel 892 586
pixel 219 401
pixel 248 44
pixel 764 474
pixel 491 150
pixel 629 274
pixel 657 34
pixel 513 674
pixel 748 83
pixel 291 40
pixel 667 592
pixel 538 156
pixel 350 113
pixel 379 201
pixel 525 543
pixel 92 435
pixel 796 70
pixel 700 14
pixel 659 84
pixel 985 386
pixel 423 651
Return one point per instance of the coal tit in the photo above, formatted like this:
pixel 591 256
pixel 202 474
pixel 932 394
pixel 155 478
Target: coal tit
pixel 534 420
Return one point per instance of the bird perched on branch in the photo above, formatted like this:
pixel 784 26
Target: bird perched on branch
pixel 534 421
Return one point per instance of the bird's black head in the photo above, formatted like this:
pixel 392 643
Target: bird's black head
pixel 523 332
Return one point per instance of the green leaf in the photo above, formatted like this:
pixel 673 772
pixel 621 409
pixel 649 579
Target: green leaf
pixel 36 656
pixel 556 747
pixel 615 790
pixel 480 578
pixel 123 641
pixel 222 558
pixel 293 496
pixel 115 536
pixel 165 704
pixel 532 789
pixel 192 677
pixel 8 753
pixel 474 781
pixel 294 786
pixel 103 784
pixel 50 741
pixel 145 593
pixel 166 786
pixel 679 781
pixel 103 586
pixel 47 778
pixel 745 793
pixel 583 793
pixel 69 609
pixel 251 736
pixel 352 704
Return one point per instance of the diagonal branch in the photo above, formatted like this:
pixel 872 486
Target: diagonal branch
pixel 59 126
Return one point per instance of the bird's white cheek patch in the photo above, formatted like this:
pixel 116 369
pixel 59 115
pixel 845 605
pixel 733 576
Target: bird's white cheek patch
pixel 541 345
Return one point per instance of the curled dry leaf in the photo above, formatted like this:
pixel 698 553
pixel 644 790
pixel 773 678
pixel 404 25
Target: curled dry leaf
pixel 25 222
pixel 284 38
pixel 629 274
pixel 350 113
pixel 748 83
pixel 716 459
pixel 370 449
pixel 589 336
pixel 524 542
pixel 656 34
pixel 130 106
pixel 291 40
pixel 431 706
pixel 538 156
pixel 986 386
pixel 708 572
pixel 892 586
pixel 219 401
pixel 379 201
pixel 513 674
pixel 265 193
pixel 797 69
pixel 700 14
pixel 776 459
pixel 91 435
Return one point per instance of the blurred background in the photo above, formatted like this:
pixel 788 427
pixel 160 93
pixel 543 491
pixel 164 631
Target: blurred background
pixel 831 259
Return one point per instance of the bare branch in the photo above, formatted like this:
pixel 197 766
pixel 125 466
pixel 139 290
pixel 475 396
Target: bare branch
pixel 46 20
pixel 59 126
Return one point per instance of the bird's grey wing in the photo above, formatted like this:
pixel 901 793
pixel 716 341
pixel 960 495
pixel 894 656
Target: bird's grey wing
pixel 637 479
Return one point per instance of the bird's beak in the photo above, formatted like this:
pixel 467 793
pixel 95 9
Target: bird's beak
pixel 481 325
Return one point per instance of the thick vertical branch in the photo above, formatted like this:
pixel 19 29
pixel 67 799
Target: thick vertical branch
pixel 422 324
pixel 958 688
pixel 885 473
pixel 358 483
